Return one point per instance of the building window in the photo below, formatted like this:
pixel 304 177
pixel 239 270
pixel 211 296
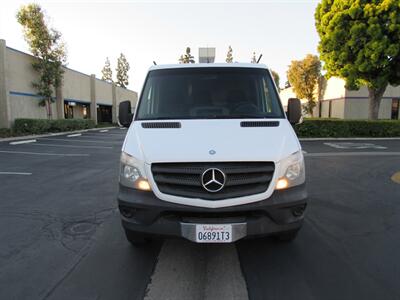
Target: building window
pixel 395 109
pixel 85 112
pixel 104 114
pixel 68 111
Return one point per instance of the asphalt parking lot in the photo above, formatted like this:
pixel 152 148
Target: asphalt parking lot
pixel 60 233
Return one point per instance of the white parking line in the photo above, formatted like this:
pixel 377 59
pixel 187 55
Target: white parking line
pixel 75 134
pixel 332 154
pixel 180 265
pixel 123 128
pixel 350 139
pixel 78 140
pixel 81 141
pixel 99 136
pixel 345 145
pixel 42 153
pixel 71 146
pixel 15 173
pixel 102 138
pixel 103 134
pixel 22 142
pixel 105 130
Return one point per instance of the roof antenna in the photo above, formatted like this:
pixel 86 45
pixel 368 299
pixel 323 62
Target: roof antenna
pixel 259 58
pixel 154 63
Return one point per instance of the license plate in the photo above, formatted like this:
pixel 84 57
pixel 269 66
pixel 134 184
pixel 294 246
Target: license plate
pixel 213 233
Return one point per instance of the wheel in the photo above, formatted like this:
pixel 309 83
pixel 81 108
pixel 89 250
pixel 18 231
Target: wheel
pixel 287 236
pixel 136 239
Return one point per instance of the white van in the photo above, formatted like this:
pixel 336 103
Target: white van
pixel 211 156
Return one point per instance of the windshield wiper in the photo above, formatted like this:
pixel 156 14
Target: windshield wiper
pixel 238 116
pixel 160 118
pixel 241 116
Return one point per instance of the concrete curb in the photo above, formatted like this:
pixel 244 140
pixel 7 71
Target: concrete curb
pixel 24 137
pixel 351 139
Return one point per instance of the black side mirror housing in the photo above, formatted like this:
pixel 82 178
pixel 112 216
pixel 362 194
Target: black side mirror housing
pixel 125 115
pixel 294 111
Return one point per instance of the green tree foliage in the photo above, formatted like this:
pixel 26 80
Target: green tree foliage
pixel 229 55
pixel 275 76
pixel 187 58
pixel 122 71
pixel 360 42
pixel 106 71
pixel 46 45
pixel 303 76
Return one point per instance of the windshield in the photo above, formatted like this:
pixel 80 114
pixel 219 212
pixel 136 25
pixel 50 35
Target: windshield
pixel 209 93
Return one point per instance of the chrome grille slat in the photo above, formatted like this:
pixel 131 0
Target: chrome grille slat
pixel 242 181
pixel 192 180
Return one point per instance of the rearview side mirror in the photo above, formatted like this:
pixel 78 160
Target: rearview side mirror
pixel 294 111
pixel 125 115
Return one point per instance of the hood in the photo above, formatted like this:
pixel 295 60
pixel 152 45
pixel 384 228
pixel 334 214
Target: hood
pixel 196 139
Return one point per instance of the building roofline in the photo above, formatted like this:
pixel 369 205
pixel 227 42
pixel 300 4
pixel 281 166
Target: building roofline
pixel 68 68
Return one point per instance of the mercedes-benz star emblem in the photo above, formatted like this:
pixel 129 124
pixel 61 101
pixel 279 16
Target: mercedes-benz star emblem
pixel 213 180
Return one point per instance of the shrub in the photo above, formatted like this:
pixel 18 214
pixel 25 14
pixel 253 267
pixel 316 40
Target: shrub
pixel 5 132
pixel 39 126
pixel 348 128
pixel 69 125
pixel 105 124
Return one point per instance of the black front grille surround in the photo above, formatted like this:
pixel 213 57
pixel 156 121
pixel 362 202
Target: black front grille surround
pixel 185 179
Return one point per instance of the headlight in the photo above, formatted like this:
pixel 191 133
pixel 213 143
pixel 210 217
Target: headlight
pixel 130 175
pixel 292 171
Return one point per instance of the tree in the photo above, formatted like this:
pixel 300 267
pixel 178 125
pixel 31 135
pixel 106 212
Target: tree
pixel 48 49
pixel 360 42
pixel 229 56
pixel 122 71
pixel 275 76
pixel 187 58
pixel 303 76
pixel 106 71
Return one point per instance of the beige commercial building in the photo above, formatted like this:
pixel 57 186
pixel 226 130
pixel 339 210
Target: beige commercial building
pixel 335 101
pixel 81 95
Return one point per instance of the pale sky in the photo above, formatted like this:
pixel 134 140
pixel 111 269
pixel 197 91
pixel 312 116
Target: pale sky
pixel 161 30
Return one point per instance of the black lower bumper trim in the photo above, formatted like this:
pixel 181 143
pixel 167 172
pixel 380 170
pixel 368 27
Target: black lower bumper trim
pixel 143 212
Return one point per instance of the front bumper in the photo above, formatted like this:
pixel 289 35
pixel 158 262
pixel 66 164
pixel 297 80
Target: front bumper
pixel 144 213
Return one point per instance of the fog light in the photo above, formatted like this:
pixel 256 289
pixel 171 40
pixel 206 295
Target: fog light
pixel 143 184
pixel 127 212
pixel 298 211
pixel 282 184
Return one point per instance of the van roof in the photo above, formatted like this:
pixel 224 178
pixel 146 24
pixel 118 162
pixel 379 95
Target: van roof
pixel 210 65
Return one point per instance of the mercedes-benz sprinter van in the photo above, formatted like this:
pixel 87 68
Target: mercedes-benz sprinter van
pixel 211 156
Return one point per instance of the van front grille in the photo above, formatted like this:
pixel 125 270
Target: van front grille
pixel 185 179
